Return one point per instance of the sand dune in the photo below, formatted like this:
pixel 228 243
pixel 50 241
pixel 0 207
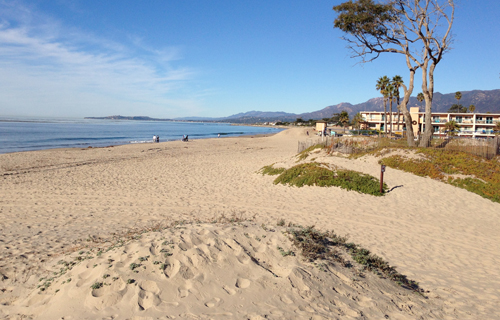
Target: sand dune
pixel 55 203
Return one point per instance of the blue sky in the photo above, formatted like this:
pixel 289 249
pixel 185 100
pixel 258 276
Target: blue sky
pixel 167 59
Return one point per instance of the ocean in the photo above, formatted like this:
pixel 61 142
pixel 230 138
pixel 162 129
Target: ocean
pixel 26 134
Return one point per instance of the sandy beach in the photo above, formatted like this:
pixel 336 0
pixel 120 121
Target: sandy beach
pixel 53 203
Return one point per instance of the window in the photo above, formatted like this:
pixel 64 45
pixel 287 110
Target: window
pixel 489 119
pixel 458 119
pixel 436 129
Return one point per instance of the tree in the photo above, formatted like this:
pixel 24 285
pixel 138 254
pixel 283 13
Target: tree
pixel 341 118
pixel 420 30
pixel 450 127
pixel 397 82
pixel 381 85
pixel 457 108
pixel 472 108
pixel 357 119
pixel 420 98
pixel 497 129
pixel 390 93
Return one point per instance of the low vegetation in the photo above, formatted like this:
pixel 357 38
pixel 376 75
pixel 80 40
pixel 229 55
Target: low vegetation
pixel 304 154
pixel 483 174
pixel 327 247
pixel 271 171
pixel 317 174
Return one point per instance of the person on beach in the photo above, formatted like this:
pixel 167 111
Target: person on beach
pixel 157 138
pixel 154 138
pixel 218 136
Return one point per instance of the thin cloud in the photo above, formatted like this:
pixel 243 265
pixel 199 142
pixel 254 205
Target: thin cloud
pixel 37 59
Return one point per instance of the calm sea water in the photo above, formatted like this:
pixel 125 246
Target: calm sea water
pixel 25 134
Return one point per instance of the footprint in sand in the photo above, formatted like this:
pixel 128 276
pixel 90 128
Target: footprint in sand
pixel 184 290
pixel 195 240
pixel 229 290
pixel 185 246
pixel 203 232
pixel 243 258
pixel 107 296
pixel 212 302
pixel 150 286
pixel 147 299
pixel 242 283
pixel 260 248
pixel 172 267
pixel 286 300
pixel 154 250
pixel 186 272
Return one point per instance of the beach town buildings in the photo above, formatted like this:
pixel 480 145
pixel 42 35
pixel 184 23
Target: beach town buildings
pixel 321 125
pixel 479 125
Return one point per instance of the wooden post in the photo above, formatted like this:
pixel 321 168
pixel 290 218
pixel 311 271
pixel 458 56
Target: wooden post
pixel 382 170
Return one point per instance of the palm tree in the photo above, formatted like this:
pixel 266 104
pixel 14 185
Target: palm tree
pixel 390 94
pixel 420 98
pixel 397 82
pixel 497 129
pixel 381 85
pixel 343 119
pixel 450 127
pixel 472 108
pixel 458 96
pixel 357 120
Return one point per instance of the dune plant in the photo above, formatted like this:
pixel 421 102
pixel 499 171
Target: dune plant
pixel 270 170
pixel 316 174
pixel 316 245
pixel 304 154
pixel 484 174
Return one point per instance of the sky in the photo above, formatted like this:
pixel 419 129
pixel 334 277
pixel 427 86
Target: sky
pixel 173 58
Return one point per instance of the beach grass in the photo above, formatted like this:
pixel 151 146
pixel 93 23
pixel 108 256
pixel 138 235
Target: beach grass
pixel 473 173
pixel 326 247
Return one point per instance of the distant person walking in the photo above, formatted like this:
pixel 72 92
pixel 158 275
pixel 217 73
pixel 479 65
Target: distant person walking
pixel 154 138
pixel 218 136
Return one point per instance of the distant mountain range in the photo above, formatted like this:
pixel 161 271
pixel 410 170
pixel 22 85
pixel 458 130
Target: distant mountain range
pixel 483 100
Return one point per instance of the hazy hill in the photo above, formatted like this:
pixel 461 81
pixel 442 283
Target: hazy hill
pixel 484 100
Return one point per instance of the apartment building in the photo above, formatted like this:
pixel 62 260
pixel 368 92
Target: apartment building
pixel 471 124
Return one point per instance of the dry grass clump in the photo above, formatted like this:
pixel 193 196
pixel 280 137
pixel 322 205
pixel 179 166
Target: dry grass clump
pixel 304 154
pixel 484 174
pixel 326 246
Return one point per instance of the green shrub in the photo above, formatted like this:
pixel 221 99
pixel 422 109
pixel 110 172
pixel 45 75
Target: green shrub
pixel 270 170
pixel 439 163
pixel 314 174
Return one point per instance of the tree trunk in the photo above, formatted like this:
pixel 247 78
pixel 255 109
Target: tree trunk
pixel 385 117
pixel 428 91
pixel 390 115
pixel 404 109
pixel 399 112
